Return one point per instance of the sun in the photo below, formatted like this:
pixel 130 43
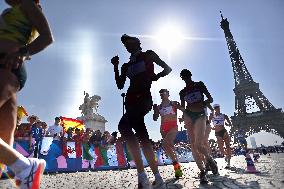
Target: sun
pixel 169 37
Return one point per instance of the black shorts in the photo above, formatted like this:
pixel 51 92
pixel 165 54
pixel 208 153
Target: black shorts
pixel 194 115
pixel 221 133
pixel 134 118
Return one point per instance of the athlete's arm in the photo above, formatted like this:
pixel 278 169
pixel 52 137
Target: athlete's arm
pixel 207 94
pixel 120 79
pixel 210 117
pixel 156 112
pixel 39 21
pixel 182 104
pixel 155 58
pixel 177 105
pixel 228 120
pixel 181 96
pixel 210 107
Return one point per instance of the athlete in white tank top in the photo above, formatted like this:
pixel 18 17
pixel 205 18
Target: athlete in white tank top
pixel 219 121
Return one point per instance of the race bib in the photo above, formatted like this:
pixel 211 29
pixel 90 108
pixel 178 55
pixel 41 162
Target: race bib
pixel 167 110
pixel 135 69
pixel 193 97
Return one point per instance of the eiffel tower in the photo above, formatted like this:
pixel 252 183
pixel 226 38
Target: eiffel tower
pixel 253 111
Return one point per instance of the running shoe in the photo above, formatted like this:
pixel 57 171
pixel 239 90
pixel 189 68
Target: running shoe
pixel 33 177
pixel 144 185
pixel 159 184
pixel 228 163
pixel 203 177
pixel 207 167
pixel 213 165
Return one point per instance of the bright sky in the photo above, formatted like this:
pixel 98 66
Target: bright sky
pixel 87 35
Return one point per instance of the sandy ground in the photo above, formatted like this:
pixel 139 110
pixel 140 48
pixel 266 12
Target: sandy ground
pixel 271 176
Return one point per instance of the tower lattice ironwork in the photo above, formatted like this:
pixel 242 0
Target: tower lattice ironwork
pixel 253 111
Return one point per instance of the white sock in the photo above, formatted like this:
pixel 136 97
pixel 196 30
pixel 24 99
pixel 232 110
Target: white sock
pixel 20 165
pixel 142 177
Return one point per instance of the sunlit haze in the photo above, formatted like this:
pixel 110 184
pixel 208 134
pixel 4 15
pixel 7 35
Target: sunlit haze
pixel 185 34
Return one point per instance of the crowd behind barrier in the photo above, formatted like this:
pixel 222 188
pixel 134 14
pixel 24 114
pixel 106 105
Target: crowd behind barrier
pixel 71 156
pixel 74 149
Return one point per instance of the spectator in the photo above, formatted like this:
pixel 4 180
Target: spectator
pixel 78 137
pixel 19 132
pixel 113 138
pixel 37 135
pixel 44 128
pixel 106 139
pixel 68 136
pixel 96 138
pixel 32 120
pixel 87 136
pixel 56 130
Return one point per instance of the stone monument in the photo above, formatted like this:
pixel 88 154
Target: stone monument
pixel 90 116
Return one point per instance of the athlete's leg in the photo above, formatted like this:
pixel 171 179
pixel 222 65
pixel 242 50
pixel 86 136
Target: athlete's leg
pixel 228 149
pixel 190 131
pixel 200 133
pixel 228 145
pixel 168 143
pixel 206 139
pixel 27 171
pixel 206 144
pixel 220 143
pixel 132 143
pixel 9 85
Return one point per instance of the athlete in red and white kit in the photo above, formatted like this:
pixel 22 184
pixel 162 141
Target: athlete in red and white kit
pixel 169 128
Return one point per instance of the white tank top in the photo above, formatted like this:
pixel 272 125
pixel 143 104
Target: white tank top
pixel 218 120
pixel 166 110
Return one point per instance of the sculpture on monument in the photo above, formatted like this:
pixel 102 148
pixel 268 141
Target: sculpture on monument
pixel 90 104
pixel 89 112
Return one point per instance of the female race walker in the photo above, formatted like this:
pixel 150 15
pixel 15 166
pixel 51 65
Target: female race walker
pixel 169 128
pixel 195 120
pixel 24 31
pixel 138 102
pixel 219 120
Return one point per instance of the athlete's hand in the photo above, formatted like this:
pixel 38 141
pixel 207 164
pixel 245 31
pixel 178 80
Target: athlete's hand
pixel 228 124
pixel 115 60
pixel 156 113
pixel 155 106
pixel 176 104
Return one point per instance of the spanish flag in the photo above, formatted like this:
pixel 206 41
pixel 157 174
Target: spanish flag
pixel 21 112
pixel 70 122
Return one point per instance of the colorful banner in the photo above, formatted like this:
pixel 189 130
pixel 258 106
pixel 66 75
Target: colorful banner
pixel 45 145
pixel 71 150
pixel 91 158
